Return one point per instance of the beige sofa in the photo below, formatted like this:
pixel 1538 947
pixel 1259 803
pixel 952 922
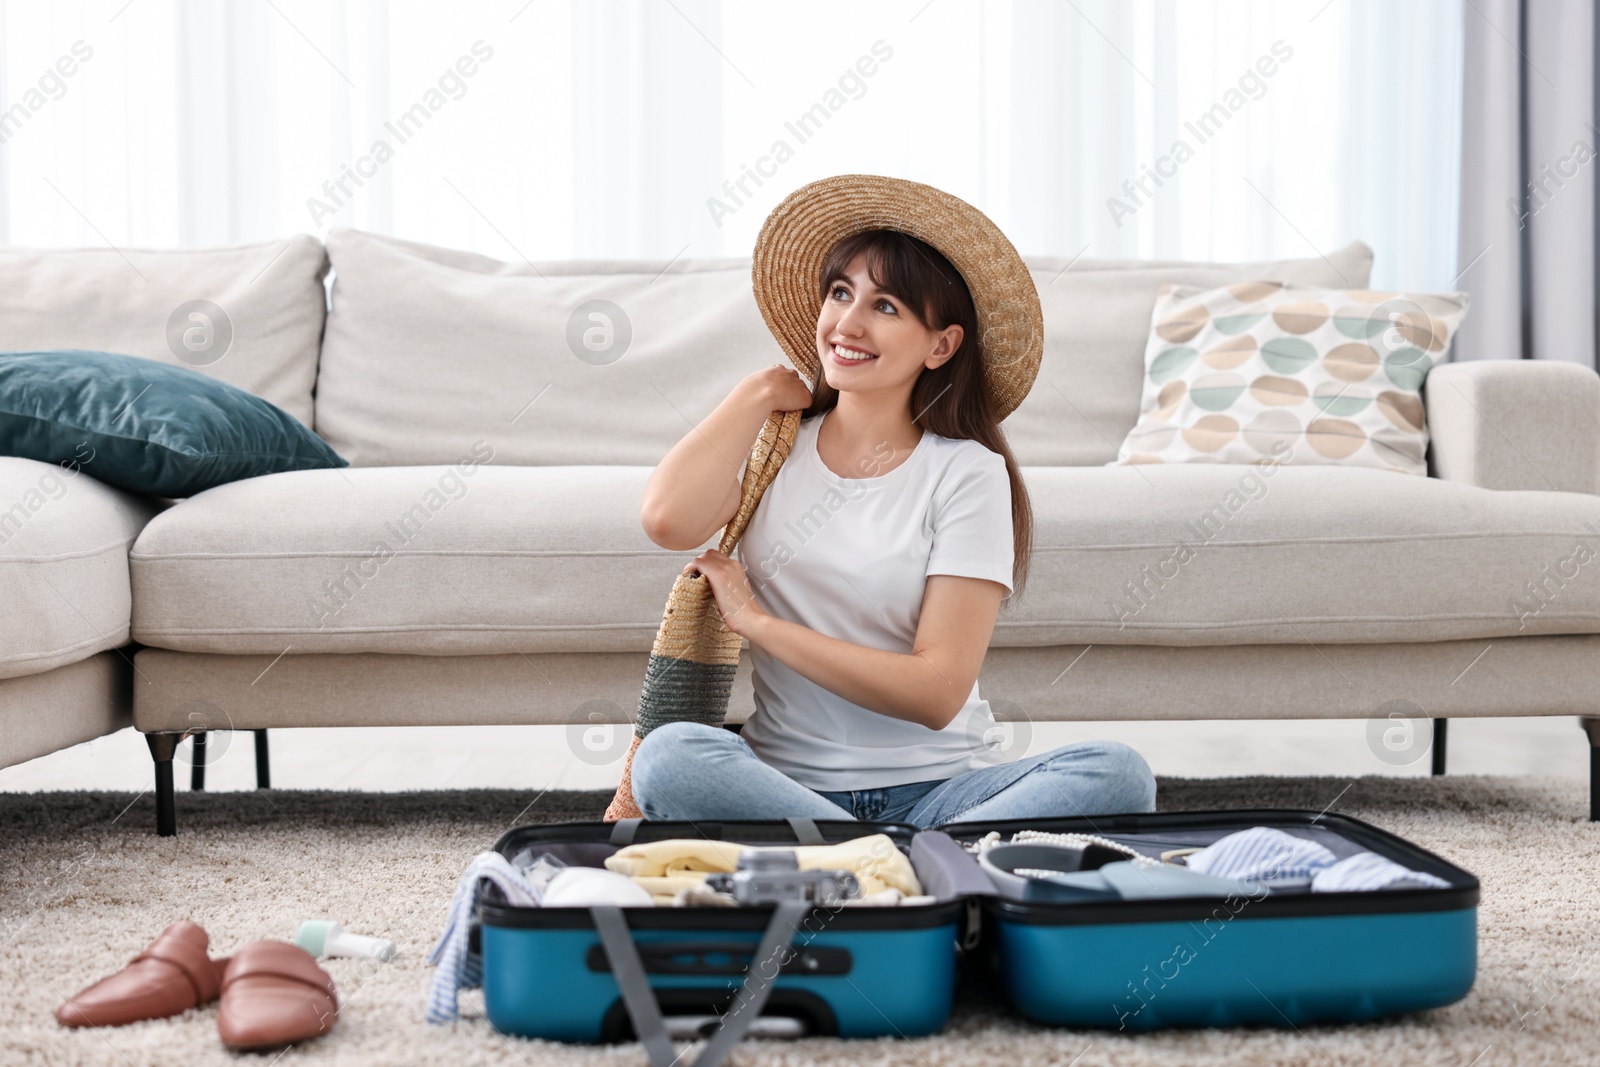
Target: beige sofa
pixel 482 560
pixel 66 661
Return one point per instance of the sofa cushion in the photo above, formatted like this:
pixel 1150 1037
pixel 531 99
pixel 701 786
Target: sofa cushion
pixel 1211 554
pixel 557 363
pixel 464 559
pixel 613 361
pixel 146 426
pixel 437 561
pixel 250 315
pixel 64 541
pixel 1096 322
pixel 1308 375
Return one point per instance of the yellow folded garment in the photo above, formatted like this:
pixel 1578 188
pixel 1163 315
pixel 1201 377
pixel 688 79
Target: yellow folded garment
pixel 673 856
pixel 665 888
pixel 666 867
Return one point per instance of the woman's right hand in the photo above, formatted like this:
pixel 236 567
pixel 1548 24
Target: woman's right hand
pixel 783 387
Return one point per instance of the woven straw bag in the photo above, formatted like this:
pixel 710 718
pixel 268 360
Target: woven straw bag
pixel 695 655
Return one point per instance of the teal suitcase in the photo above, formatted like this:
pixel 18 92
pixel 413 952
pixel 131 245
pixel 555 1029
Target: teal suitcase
pixel 563 973
pixel 1285 959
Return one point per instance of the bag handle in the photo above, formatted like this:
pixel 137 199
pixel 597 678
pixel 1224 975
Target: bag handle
pixel 645 1011
pixel 772 446
pixel 634 985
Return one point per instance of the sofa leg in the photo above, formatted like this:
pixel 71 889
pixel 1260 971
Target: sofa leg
pixel 1441 736
pixel 1592 728
pixel 162 748
pixel 197 770
pixel 263 768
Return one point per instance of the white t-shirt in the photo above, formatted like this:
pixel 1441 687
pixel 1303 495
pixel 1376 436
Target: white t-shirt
pixel 849 558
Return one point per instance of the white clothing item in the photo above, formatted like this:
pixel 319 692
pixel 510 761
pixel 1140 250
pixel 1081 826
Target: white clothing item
pixel 582 887
pixel 458 966
pixel 850 558
pixel 1263 854
pixel 1368 870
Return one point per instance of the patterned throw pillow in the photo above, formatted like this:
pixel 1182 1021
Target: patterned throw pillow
pixel 1298 374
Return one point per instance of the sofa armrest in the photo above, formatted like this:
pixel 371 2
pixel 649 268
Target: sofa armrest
pixel 1514 424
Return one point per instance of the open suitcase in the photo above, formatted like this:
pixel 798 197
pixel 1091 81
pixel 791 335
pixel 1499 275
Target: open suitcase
pixel 652 973
pixel 1285 959
pixel 589 974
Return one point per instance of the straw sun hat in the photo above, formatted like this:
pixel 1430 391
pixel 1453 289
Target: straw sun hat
pixel 689 677
pixel 787 267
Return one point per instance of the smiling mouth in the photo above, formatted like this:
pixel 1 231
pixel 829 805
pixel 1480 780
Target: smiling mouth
pixel 850 356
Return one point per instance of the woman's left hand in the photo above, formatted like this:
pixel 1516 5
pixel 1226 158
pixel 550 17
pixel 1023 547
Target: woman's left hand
pixel 730 585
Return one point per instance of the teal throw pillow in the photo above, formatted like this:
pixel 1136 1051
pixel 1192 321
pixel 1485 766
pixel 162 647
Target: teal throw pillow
pixel 145 426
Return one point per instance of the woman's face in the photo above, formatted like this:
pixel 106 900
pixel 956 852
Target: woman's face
pixel 857 319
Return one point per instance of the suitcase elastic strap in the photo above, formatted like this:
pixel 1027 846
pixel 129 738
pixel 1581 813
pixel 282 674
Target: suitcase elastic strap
pixel 645 1011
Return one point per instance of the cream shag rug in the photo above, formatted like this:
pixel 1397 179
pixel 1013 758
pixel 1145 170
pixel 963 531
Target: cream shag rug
pixel 85 884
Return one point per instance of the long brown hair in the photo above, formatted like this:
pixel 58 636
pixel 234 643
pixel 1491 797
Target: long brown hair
pixel 951 399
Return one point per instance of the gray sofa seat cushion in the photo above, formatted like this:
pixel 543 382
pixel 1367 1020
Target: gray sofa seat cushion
pixel 424 560
pixel 1218 554
pixel 552 559
pixel 64 541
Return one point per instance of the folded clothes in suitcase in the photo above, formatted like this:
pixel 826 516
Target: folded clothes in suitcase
pixel 1115 949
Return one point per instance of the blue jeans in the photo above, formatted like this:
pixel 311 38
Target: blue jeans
pixel 690 771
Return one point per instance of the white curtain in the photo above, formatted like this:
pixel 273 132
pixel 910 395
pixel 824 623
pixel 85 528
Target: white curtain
pixel 626 128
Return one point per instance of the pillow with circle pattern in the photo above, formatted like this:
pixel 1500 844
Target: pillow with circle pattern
pixel 1296 374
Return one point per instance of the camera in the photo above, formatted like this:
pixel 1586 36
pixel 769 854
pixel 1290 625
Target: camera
pixel 768 876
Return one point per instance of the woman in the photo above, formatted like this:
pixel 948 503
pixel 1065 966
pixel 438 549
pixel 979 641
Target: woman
pixel 871 573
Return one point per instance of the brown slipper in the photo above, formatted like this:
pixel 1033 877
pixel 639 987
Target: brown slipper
pixel 273 993
pixel 173 975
